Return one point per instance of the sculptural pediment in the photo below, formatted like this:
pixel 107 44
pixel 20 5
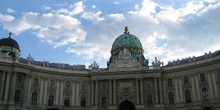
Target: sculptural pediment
pixel 125 61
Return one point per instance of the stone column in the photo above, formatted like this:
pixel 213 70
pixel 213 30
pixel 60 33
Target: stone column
pixel 176 90
pixel 197 88
pixel 211 91
pixel 57 92
pixel 45 92
pixel 137 91
pixel 193 88
pixel 110 91
pixel 41 91
pixel 141 91
pixel 180 89
pixel 61 93
pixel 88 92
pixel 164 92
pixel 29 89
pixel 77 94
pixel 8 80
pixel 160 91
pixel 114 91
pixel 214 85
pixel 92 93
pixel 12 88
pixel 73 93
pixel 156 91
pixel 96 92
pixel 3 74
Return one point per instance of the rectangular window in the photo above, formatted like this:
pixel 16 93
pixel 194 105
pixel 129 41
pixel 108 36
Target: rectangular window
pixel 170 83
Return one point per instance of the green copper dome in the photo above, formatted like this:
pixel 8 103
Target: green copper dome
pixel 128 41
pixel 130 45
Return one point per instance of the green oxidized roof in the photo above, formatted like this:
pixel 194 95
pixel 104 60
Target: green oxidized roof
pixel 126 40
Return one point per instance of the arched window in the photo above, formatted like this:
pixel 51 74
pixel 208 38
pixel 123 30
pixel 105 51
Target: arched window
pixel 17 96
pixel 205 94
pixel 36 81
pixel 202 77
pixel 67 86
pixel 34 98
pixel 185 80
pixel 188 96
pixel 170 83
pixel 83 101
pixel 50 100
pixel 104 102
pixel 149 99
pixel 67 102
pixel 171 98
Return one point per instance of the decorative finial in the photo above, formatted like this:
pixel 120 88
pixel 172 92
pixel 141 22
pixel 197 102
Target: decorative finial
pixel 126 29
pixel 10 33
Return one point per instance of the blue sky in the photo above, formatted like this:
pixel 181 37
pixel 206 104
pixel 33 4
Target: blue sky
pixel 81 31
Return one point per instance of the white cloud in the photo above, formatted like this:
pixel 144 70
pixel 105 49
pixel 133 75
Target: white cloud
pixel 55 29
pixel 75 9
pixel 94 16
pixel 9 10
pixel 6 18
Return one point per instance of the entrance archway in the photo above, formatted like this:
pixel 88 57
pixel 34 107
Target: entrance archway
pixel 126 105
pixel 207 108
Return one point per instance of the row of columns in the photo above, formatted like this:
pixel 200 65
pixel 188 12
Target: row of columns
pixel 139 91
pixel 196 87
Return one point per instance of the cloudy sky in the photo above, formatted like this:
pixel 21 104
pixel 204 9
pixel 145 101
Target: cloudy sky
pixel 81 31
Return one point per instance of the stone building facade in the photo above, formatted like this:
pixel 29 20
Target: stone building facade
pixel 128 82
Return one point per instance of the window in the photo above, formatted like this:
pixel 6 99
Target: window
pixel 67 102
pixel 218 73
pixel 188 96
pixel 50 100
pixel 104 102
pixel 83 101
pixel 19 78
pixel 67 86
pixel 103 85
pixel 148 83
pixel 52 83
pixel 202 77
pixel 185 80
pixel 171 98
pixel 83 85
pixel 169 82
pixel 149 99
pixel 34 98
pixel 205 94
pixel 17 96
pixel 36 81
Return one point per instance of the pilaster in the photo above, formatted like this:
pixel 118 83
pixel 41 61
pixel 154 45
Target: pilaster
pixel 141 91
pixel 176 85
pixel 7 86
pixel 197 88
pixel 73 93
pixel 61 93
pixel 96 92
pixel 12 88
pixel 45 91
pixel 92 93
pixel 29 89
pixel 180 89
pixel 214 82
pixel 161 91
pixel 211 91
pixel 114 91
pixel 192 78
pixel 41 91
pixel 156 91
pixel 57 92
pixel 110 92
pixel 3 74
pixel 137 91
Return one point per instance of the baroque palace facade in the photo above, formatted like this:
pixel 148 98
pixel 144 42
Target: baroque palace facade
pixel 128 82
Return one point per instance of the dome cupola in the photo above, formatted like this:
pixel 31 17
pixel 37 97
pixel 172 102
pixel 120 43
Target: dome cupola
pixel 127 48
pixel 10 46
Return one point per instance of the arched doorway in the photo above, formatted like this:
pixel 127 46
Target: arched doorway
pixel 126 105
pixel 207 108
